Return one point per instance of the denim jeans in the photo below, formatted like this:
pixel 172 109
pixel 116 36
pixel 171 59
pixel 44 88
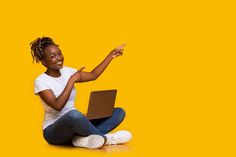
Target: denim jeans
pixel 75 123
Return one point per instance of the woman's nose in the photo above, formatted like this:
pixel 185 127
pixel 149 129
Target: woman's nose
pixel 59 57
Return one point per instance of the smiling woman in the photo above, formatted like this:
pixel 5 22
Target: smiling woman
pixel 63 124
pixel 46 51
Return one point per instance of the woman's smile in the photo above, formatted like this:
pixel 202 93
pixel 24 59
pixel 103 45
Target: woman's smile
pixel 59 63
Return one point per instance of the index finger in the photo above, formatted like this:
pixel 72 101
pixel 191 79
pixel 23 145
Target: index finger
pixel 81 68
pixel 121 46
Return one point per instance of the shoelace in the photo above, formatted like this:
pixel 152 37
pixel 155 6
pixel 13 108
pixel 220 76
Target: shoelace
pixel 110 141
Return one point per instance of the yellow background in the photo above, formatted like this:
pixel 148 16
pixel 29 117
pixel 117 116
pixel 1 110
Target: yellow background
pixel 176 79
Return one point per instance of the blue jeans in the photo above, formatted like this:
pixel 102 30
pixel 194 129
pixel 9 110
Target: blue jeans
pixel 75 123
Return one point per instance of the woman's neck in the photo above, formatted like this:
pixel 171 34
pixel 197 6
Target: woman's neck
pixel 53 73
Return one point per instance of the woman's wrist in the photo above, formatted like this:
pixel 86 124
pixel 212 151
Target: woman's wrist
pixel 109 56
pixel 72 80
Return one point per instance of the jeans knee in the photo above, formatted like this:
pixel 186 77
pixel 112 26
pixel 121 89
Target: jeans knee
pixel 120 112
pixel 75 115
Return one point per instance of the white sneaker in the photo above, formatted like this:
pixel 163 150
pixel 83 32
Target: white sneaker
pixel 91 141
pixel 118 137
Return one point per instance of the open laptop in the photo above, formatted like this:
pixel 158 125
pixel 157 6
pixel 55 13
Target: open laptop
pixel 101 104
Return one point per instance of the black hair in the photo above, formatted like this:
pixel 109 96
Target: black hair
pixel 38 46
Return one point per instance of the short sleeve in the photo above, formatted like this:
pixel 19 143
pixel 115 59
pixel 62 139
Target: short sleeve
pixel 39 86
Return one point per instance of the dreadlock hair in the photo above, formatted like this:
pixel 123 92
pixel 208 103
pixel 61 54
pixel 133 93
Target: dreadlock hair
pixel 38 46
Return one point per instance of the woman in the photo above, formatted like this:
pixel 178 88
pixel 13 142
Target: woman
pixel 63 124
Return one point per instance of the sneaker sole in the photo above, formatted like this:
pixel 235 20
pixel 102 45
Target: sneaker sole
pixel 91 141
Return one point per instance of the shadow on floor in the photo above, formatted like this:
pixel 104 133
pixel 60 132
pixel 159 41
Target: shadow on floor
pixel 115 148
pixel 105 149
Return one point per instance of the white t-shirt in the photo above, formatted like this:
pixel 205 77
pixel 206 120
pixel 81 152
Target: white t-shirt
pixel 57 85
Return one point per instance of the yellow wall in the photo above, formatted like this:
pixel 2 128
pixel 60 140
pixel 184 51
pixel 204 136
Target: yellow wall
pixel 176 79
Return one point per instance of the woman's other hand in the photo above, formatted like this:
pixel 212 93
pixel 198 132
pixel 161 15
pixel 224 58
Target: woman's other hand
pixel 76 77
pixel 117 51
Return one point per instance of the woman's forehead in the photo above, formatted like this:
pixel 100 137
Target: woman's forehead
pixel 51 49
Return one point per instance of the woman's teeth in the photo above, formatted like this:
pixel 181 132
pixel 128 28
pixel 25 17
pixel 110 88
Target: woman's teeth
pixel 59 63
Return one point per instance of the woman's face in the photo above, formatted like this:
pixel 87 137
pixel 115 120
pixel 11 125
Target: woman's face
pixel 53 57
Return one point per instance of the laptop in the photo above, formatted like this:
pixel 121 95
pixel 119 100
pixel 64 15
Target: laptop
pixel 101 104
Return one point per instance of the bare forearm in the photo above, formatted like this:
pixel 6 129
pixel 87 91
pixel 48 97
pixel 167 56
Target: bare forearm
pixel 64 96
pixel 101 67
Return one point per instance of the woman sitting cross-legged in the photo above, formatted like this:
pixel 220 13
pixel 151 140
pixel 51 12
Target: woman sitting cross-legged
pixel 63 123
